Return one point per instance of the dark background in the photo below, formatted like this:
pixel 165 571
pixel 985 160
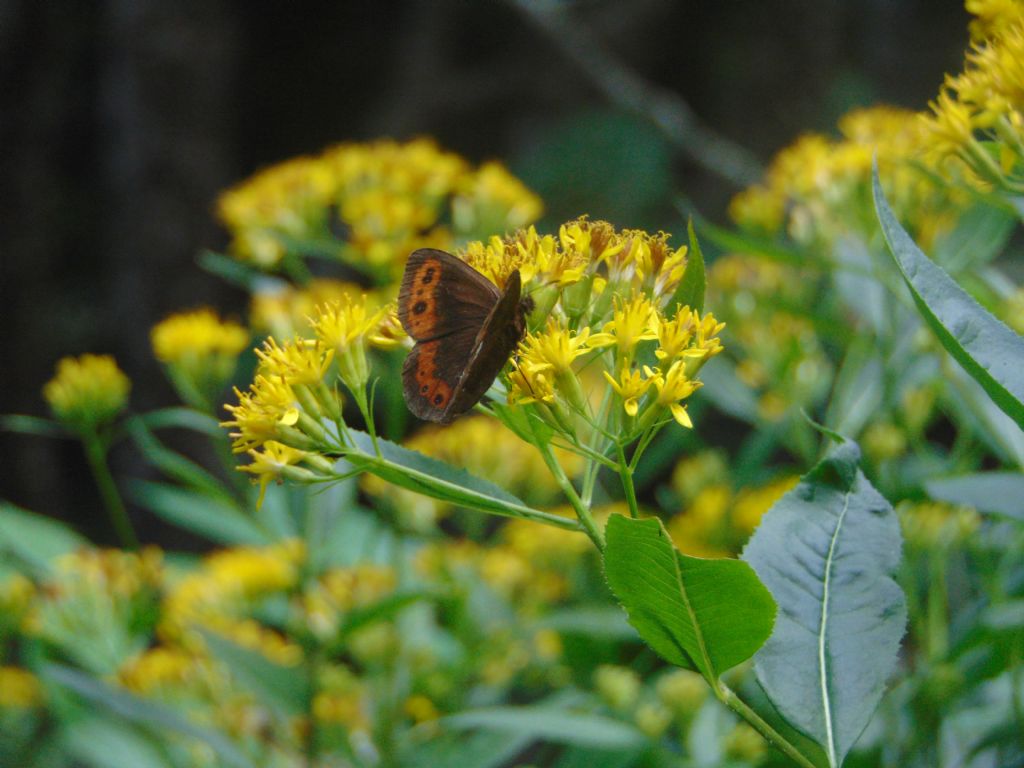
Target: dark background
pixel 121 120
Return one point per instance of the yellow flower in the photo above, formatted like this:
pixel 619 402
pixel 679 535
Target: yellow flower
pixel 302 361
pixel 673 385
pixel 87 391
pixel 261 414
pixel 156 668
pixel 196 334
pixel 633 321
pixel 344 328
pixel 271 463
pixel 630 386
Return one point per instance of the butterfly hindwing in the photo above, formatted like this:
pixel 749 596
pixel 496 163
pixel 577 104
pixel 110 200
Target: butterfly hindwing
pixel 431 373
pixel 441 295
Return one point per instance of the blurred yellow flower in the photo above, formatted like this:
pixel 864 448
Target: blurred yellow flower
pixel 88 391
pixel 19 688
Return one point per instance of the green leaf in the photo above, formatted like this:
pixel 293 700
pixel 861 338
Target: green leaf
pixel 690 291
pixel 980 235
pixel 438 480
pixel 1000 493
pixel 726 392
pixel 284 689
pixel 183 418
pixel 547 723
pixel 476 750
pixel 357 618
pixel 208 516
pixel 604 622
pixel 988 350
pixel 34 539
pixel 703 614
pixel 138 710
pixel 827 551
pixel 231 270
pixel 174 465
pixel 33 425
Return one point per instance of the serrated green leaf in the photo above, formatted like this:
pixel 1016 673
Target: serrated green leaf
pixel 703 614
pixel 211 517
pixel 284 689
pixel 34 539
pixel 690 291
pixel 827 551
pixel 1001 493
pixel 138 710
pixel 987 349
pixel 547 723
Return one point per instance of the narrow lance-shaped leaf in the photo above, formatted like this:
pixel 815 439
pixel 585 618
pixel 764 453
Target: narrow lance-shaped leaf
pixel 987 349
pixel 707 615
pixel 827 551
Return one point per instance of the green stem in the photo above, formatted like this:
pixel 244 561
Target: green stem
pixel 937 624
pixel 626 473
pixel 773 737
pixel 582 511
pixel 96 454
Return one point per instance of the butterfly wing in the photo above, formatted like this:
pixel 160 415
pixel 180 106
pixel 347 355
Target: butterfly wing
pixel 441 295
pixel 497 339
pixel 432 371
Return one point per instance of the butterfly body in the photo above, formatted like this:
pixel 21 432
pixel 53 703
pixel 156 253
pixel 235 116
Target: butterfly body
pixel 464 329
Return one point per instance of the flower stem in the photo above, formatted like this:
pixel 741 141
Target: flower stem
pixel 773 737
pixel 96 454
pixel 626 473
pixel 582 511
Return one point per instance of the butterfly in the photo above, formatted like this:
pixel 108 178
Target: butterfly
pixel 464 329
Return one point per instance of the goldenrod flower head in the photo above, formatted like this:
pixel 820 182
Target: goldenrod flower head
pixel 530 385
pixel 281 310
pixel 993 17
pixel 158 668
pixel 88 391
pixel 269 404
pixel 493 200
pixel 301 361
pixel 201 333
pixel 553 349
pixel 270 463
pixel 633 321
pixel 345 328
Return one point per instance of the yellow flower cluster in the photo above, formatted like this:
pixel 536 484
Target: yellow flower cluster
pixel 339 590
pixel 816 188
pixel 978 116
pixel 220 594
pixel 606 295
pixel 19 688
pixel 934 525
pixel 389 198
pixel 87 392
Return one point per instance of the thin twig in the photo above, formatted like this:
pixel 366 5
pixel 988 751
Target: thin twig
pixel 625 88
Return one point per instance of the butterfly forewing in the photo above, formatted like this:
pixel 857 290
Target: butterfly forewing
pixel 441 295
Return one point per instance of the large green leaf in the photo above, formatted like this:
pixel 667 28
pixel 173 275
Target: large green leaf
pixel 102 742
pixel 987 349
pixel 33 539
pixel 173 464
pixel 138 710
pixel 552 724
pixel 284 689
pixel 707 615
pixel 827 551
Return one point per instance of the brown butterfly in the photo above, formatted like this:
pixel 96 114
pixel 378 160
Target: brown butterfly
pixel 464 329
